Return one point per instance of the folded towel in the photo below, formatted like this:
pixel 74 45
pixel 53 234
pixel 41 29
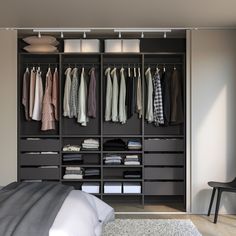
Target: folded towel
pixel 132 163
pixel 71 176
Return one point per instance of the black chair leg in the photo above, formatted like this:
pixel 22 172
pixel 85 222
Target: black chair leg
pixel 217 205
pixel 211 202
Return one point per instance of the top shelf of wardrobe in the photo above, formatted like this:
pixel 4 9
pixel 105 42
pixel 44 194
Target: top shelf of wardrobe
pixel 106 54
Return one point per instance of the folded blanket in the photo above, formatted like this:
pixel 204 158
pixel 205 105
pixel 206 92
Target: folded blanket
pixel 29 209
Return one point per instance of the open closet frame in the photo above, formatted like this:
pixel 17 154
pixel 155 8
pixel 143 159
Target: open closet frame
pixel 166 141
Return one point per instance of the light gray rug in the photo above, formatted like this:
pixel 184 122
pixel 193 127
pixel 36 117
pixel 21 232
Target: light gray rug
pixel 148 227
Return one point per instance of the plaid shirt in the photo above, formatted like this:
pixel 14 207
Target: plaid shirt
pixel 157 101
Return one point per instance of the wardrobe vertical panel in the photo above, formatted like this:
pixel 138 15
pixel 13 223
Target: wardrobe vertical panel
pixel 70 126
pixel 44 61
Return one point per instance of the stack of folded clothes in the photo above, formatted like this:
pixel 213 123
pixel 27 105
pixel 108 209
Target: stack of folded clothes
pixel 134 145
pixel 131 160
pixel 91 144
pixel 114 145
pixel 77 158
pixel 112 160
pixel 71 148
pixel 89 173
pixel 131 174
pixel 73 172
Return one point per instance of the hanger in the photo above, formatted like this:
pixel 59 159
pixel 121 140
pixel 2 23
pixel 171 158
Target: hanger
pixel 129 71
pixel 27 69
pixel 139 73
pixel 164 68
pixel 174 67
pixel 157 69
pixel 148 69
pixel 82 70
pixel 135 71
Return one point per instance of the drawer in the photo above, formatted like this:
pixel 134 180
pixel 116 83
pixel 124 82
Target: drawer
pixel 165 173
pixel 40 145
pixel 39 173
pixel 39 159
pixel 164 159
pixel 164 188
pixel 164 145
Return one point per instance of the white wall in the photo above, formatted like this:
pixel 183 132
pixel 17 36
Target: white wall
pixel 8 106
pixel 213 106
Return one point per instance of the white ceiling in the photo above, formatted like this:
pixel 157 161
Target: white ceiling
pixel 118 13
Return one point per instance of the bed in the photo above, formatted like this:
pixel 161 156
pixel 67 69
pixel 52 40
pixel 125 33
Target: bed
pixel 51 209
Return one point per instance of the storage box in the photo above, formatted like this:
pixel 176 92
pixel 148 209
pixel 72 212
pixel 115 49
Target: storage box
pixel 72 45
pixel 90 45
pixel 91 187
pixel 133 187
pixel 122 45
pixel 113 45
pixel 131 45
pixel 81 45
pixel 112 187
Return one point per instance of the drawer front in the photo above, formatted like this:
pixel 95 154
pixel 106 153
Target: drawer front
pixel 165 173
pixel 164 188
pixel 39 159
pixel 164 145
pixel 39 173
pixel 40 145
pixel 164 159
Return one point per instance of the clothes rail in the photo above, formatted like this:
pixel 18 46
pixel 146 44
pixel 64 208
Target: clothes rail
pixel 40 63
pixel 81 63
pixel 163 64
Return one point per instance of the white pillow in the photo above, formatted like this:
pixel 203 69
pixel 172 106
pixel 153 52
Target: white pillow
pixel 33 40
pixel 40 48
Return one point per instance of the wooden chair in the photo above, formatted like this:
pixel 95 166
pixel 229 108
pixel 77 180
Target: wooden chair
pixel 220 187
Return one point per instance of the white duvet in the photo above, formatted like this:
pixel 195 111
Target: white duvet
pixel 81 214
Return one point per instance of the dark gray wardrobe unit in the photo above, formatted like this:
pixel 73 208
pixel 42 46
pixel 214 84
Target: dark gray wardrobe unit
pixel 163 154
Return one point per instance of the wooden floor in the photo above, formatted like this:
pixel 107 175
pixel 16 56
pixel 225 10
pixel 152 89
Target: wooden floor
pixel 226 225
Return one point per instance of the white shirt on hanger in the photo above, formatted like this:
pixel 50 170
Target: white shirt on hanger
pixel 38 97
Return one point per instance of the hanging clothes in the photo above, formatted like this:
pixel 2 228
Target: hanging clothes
pixel 177 116
pixel 108 94
pixel 165 85
pixel 48 117
pixel 55 91
pixel 82 101
pixel 139 95
pixel 25 92
pixel 130 96
pixel 122 98
pixel 32 91
pixel 67 88
pixel 158 116
pixel 38 97
pixel 149 109
pixel 92 101
pixel 74 93
pixel 115 96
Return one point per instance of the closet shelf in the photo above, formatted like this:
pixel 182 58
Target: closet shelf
pixel 112 179
pixel 39 136
pixel 80 180
pixel 124 152
pixel 122 194
pixel 81 152
pixel 76 165
pixel 122 166
pixel 80 136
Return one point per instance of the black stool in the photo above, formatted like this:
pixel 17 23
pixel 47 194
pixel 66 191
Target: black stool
pixel 220 187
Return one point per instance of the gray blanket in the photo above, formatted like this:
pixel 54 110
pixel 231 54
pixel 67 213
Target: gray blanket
pixel 29 209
